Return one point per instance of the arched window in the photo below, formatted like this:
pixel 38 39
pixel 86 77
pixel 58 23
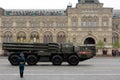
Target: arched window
pixel 89 21
pixel 95 21
pixel 105 21
pixel 84 21
pixel 61 37
pixel 21 37
pixel 115 37
pixel 34 37
pixel 48 37
pixel 8 37
pixel 74 21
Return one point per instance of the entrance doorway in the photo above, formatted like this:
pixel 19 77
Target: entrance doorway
pixel 89 40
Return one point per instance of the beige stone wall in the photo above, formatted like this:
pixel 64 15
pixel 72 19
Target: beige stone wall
pixel 74 34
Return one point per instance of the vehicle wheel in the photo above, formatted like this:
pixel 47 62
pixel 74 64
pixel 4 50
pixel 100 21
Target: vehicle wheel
pixel 73 60
pixel 56 60
pixel 32 60
pixel 14 59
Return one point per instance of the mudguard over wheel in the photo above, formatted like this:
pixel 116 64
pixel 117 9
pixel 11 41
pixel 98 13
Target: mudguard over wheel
pixel 56 60
pixel 73 60
pixel 14 59
pixel 32 60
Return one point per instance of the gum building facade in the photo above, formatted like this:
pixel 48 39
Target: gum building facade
pixel 87 23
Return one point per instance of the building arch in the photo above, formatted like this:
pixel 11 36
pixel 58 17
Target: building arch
pixel 34 36
pixel 89 39
pixel 96 18
pixel 48 37
pixel 21 36
pixel 95 21
pixel 89 18
pixel 84 18
pixel 8 36
pixel 115 37
pixel 61 37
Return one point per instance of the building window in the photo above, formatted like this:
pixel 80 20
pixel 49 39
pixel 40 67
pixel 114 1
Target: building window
pixel 48 24
pixel 34 37
pixel 83 23
pixel 61 37
pixel 8 37
pixel 95 21
pixel 115 37
pixel 95 24
pixel 89 24
pixel 105 23
pixel 48 38
pixel 74 24
pixel 21 37
pixel 105 39
pixel 74 21
pixel 90 21
pixel 60 24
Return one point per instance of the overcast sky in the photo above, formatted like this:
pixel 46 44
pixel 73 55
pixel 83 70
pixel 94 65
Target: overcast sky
pixel 49 4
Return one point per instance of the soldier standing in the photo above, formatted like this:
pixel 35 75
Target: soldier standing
pixel 21 64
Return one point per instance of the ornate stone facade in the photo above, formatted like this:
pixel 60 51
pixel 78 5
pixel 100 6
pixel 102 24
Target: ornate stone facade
pixel 87 23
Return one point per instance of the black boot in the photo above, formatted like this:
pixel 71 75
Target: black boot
pixel 21 75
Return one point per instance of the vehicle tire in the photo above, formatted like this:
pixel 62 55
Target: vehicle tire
pixel 14 59
pixel 73 60
pixel 56 60
pixel 32 60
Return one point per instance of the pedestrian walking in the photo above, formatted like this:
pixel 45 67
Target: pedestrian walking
pixel 21 64
pixel 114 52
pixel 104 51
pixel 117 52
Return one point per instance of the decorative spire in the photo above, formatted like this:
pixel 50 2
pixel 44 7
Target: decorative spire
pixel 69 5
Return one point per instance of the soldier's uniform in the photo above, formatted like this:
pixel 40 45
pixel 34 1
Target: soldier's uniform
pixel 21 65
